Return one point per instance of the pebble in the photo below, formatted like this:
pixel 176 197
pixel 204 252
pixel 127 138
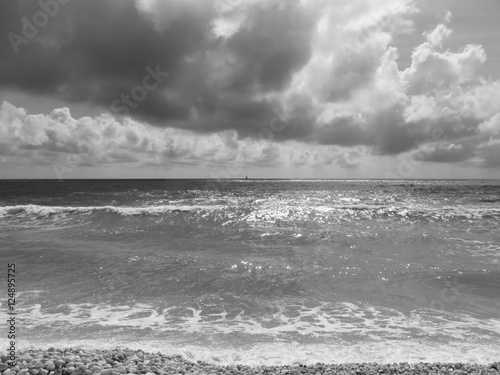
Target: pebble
pixel 50 366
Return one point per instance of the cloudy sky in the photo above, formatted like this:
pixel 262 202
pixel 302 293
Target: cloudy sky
pixel 264 88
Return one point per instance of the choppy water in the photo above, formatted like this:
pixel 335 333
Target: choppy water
pixel 258 271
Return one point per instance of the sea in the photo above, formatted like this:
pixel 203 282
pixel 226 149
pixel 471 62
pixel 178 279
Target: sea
pixel 258 272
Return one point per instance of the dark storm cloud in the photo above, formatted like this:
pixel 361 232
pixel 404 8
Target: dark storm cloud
pixel 96 50
pixel 273 44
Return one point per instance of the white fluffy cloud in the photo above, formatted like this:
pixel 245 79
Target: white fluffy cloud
pixel 60 140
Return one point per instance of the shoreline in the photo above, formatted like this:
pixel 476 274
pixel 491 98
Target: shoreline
pixel 76 361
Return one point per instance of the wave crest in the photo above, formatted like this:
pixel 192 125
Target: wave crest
pixel 48 211
pixel 265 212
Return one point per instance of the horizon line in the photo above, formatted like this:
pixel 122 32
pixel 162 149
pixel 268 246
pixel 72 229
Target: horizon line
pixel 250 179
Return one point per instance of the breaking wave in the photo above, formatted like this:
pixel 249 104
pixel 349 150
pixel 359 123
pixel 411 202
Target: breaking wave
pixel 47 211
pixel 266 211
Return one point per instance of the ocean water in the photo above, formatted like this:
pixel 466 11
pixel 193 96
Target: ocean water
pixel 257 271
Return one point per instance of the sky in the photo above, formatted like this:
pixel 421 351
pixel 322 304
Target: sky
pixel 257 88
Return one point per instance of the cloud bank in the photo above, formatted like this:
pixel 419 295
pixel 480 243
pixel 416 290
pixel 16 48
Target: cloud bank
pixel 63 142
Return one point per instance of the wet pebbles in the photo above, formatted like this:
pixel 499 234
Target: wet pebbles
pixel 125 361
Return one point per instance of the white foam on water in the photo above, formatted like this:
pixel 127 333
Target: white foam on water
pixel 270 210
pixel 292 354
pixel 342 321
pixel 46 211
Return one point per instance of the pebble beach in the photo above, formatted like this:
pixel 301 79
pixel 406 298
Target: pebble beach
pixel 125 361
